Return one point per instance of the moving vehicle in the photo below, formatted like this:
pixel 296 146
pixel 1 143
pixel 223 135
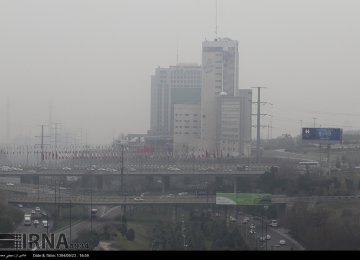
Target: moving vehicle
pixel 282 242
pixel 27 219
pixel 45 223
pixel 94 211
pixel 274 223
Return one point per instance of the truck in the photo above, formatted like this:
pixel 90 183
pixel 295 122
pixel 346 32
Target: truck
pixel 27 219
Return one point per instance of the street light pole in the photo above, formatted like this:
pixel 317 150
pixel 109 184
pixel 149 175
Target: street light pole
pixel 70 217
pixel 91 215
pixel 265 208
pixel 122 171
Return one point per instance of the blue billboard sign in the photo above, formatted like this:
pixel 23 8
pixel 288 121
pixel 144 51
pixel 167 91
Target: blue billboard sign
pixel 322 134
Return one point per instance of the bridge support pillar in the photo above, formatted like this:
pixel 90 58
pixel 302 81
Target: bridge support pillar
pixel 26 179
pixel 123 210
pixel 165 180
pixel 226 215
pixel 85 181
pixel 174 214
pixel 236 181
pixel 149 181
pixel 36 180
pixel 288 207
pixel 100 182
pixel 219 183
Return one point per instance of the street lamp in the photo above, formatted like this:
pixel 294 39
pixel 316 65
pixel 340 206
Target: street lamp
pixel 266 208
pixel 91 215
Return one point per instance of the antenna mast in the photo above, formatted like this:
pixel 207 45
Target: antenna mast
pixel 216 26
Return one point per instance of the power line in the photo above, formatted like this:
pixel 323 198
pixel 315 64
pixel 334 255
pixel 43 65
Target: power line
pixel 258 125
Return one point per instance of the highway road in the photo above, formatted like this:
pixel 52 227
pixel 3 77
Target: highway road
pixel 276 234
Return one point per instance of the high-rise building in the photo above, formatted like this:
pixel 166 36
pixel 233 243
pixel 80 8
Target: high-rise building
pixel 234 123
pixel 180 84
pixel 220 60
pixel 186 128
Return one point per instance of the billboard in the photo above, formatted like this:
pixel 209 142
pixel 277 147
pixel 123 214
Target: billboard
pixel 322 134
pixel 243 198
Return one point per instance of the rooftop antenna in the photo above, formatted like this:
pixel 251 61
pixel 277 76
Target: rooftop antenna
pixel 50 123
pixel 177 51
pixel 8 120
pixel 216 26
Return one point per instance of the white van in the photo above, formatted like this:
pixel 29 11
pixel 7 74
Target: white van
pixel 274 223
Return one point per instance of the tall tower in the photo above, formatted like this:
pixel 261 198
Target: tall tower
pixel 180 84
pixel 220 59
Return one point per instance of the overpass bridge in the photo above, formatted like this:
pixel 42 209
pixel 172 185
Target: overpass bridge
pixel 99 175
pixel 169 199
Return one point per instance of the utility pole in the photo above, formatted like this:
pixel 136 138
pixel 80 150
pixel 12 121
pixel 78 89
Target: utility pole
pixel 8 121
pixel 91 214
pixel 70 217
pixel 56 128
pixel 42 155
pixel 122 170
pixel 258 126
pixel 42 144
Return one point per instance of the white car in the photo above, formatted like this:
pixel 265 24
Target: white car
pixel 173 169
pixel 10 184
pixel 36 222
pixel 20 205
pixel 282 242
pixel 268 237
pixel 138 199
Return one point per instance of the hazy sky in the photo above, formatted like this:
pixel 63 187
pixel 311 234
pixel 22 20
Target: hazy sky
pixel 94 59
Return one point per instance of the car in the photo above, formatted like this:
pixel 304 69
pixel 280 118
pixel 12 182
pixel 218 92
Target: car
pixel 45 223
pixel 173 169
pixel 252 226
pixel 274 223
pixel 282 242
pixel 245 220
pixel 252 231
pixel 36 222
pixel 66 169
pixel 131 169
pixel 262 239
pixel 183 193
pixel 37 209
pixel 232 219
pixel 268 237
pixel 33 212
pixel 20 205
pixel 10 184
pixel 138 199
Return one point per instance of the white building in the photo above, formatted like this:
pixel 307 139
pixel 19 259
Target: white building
pixel 220 61
pixel 179 84
pixel 186 128
pixel 234 124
